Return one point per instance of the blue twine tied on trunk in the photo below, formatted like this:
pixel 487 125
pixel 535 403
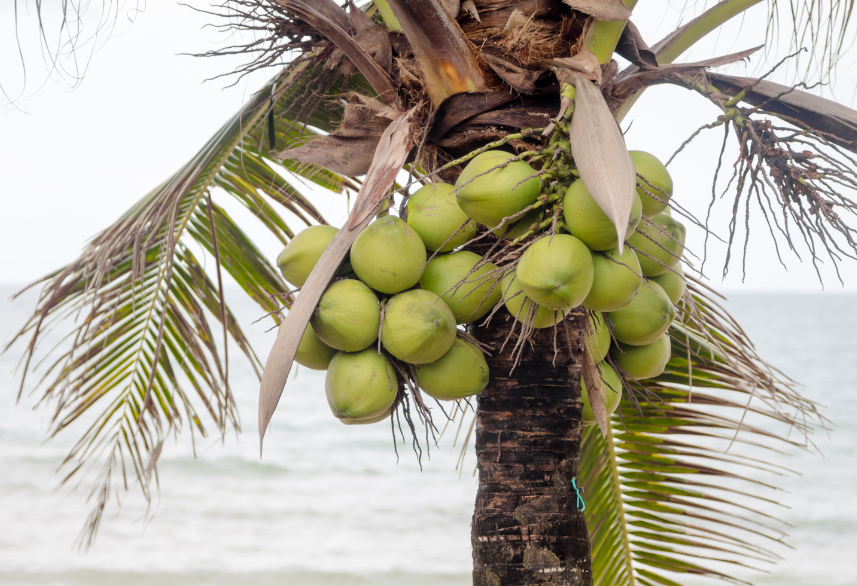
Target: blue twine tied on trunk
pixel 581 506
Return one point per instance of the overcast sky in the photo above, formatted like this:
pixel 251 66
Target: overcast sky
pixel 75 156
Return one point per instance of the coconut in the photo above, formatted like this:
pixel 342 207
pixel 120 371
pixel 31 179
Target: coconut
pixel 660 243
pixel 312 352
pixel 302 253
pixel 521 306
pixel 368 420
pixel 672 283
pixel 459 373
pixel 587 221
pixel 598 340
pixel 617 279
pixel 497 194
pixel 611 387
pixel 644 361
pixel 657 182
pixel 474 298
pixel 388 255
pixel 360 385
pixel 418 327
pixel 434 214
pixel 556 272
pixel 520 227
pixel 348 316
pixel 645 319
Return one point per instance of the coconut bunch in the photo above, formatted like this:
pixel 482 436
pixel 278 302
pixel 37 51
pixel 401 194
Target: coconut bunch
pixel 392 319
pixel 556 249
pixel 408 287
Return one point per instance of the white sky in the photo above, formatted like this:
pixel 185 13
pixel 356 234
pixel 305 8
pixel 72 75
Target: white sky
pixel 73 159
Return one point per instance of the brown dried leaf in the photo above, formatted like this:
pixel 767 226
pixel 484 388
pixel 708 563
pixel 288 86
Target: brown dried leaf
pixel 585 64
pixel 460 107
pixel 601 9
pixel 470 7
pixel 632 79
pixel 601 156
pixel 349 150
pixel 633 47
pixel 375 41
pixel 595 390
pixel 390 156
pixel 521 79
pixel 359 20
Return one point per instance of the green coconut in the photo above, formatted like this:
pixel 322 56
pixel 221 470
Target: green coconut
pixel 617 279
pixel 474 298
pixel 587 221
pixel 312 352
pixel 434 214
pixel 347 316
pixel 556 272
pixel 647 361
pixel 521 226
pixel 598 340
pixel 660 243
pixel 611 387
pixel 388 255
pixel 497 194
pixel 368 420
pixel 461 372
pixel 645 319
pixel 658 182
pixel 302 253
pixel 672 283
pixel 360 385
pixel 418 327
pixel 520 306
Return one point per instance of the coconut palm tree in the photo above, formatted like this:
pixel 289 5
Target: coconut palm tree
pixel 383 98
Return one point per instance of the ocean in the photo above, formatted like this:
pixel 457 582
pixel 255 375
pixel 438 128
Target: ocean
pixel 330 504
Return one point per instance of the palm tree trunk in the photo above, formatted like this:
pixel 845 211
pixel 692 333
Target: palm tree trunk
pixel 527 528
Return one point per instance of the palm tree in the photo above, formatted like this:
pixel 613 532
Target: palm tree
pixel 422 87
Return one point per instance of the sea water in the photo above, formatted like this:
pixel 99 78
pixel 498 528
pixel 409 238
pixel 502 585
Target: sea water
pixel 330 504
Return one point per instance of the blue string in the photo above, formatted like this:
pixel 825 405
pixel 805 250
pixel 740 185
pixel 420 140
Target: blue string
pixel 581 506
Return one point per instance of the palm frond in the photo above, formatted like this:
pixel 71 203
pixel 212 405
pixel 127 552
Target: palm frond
pixel 139 358
pixel 676 489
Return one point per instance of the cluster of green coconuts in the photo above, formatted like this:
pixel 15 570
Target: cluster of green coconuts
pixel 387 288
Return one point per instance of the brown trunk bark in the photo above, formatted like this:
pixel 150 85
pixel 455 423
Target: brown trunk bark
pixel 527 529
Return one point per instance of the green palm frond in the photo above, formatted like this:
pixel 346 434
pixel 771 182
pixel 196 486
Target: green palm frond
pixel 676 489
pixel 139 358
